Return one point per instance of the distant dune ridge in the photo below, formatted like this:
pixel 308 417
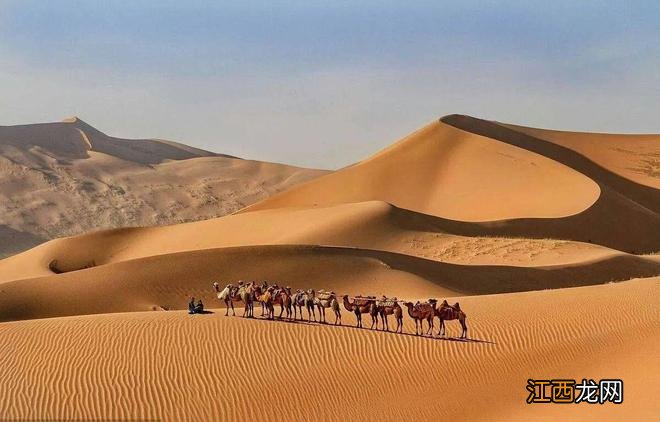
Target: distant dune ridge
pixel 66 178
pixel 487 213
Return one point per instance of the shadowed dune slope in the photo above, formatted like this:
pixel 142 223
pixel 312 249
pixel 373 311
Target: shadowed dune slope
pixel 368 225
pixel 165 281
pixel 63 179
pixel 142 365
pixel 635 157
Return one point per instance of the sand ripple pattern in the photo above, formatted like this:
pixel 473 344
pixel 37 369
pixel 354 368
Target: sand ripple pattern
pixel 172 366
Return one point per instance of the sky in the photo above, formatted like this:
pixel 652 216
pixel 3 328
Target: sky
pixel 325 84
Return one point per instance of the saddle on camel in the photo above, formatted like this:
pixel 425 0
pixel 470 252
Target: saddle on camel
pixel 390 306
pixel 323 300
pixel 447 312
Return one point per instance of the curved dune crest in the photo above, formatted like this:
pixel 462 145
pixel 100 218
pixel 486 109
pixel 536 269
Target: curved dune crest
pixel 635 157
pixel 443 171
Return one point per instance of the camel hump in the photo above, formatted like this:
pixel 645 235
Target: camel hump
pixel 457 306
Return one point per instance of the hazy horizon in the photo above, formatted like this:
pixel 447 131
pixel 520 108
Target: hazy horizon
pixel 325 85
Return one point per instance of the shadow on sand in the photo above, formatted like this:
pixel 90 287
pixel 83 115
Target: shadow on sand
pixel 330 324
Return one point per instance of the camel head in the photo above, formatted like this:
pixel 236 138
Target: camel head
pixel 216 286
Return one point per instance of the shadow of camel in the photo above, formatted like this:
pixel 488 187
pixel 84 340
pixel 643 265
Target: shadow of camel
pixel 430 338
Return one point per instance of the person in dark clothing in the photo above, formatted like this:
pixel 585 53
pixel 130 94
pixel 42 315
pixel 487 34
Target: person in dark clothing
pixel 191 306
pixel 200 307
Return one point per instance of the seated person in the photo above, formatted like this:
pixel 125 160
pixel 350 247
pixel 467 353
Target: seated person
pixel 191 306
pixel 200 307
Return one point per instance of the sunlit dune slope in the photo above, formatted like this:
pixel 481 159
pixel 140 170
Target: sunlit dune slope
pixel 172 366
pixel 369 225
pixel 443 171
pixel 166 281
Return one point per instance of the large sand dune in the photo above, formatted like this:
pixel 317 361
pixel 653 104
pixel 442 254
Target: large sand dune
pixel 471 170
pixel 172 366
pixel 62 179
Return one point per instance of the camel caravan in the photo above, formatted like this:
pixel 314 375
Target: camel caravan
pixel 291 305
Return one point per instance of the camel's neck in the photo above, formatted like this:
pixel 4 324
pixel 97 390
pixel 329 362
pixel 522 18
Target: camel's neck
pixel 411 310
pixel 348 305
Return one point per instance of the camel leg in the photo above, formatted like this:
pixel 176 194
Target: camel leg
pixel 226 308
pixel 233 311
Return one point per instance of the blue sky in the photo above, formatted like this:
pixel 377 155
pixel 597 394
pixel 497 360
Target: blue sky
pixel 323 84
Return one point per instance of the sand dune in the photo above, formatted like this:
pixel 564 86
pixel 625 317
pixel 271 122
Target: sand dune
pixel 370 225
pixel 471 170
pixel 62 179
pixel 144 365
pixel 166 281
pixel 440 170
pixel 635 157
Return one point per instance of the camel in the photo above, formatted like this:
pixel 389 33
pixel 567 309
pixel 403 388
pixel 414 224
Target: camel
pixel 282 297
pixel 362 305
pixel 447 312
pixel 328 300
pixel 246 295
pixel 266 300
pixel 298 300
pixel 310 302
pixel 390 307
pixel 228 295
pixel 259 290
pixel 420 312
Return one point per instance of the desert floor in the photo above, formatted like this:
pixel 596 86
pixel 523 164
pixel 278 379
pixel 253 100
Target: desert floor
pixel 549 240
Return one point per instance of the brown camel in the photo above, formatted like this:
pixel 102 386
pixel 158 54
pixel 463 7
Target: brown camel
pixel 310 298
pixel 266 300
pixel 390 307
pixel 447 312
pixel 362 305
pixel 282 297
pixel 328 300
pixel 420 312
